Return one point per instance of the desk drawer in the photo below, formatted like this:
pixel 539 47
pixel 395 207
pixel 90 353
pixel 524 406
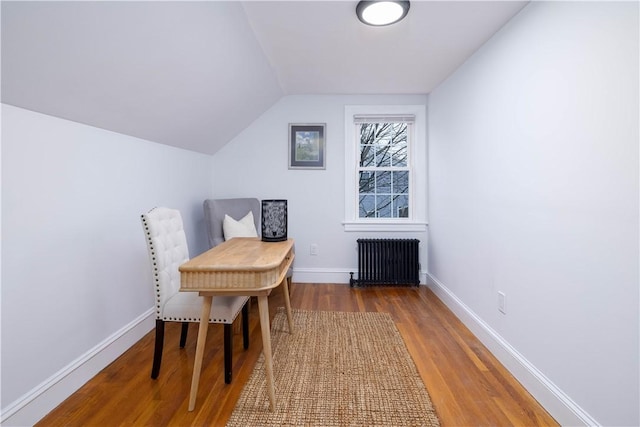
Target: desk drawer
pixel 235 279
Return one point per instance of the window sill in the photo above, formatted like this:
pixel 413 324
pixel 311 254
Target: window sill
pixel 384 226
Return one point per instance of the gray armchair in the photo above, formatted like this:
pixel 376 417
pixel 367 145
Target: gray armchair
pixel 216 209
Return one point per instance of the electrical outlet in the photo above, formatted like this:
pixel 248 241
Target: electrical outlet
pixel 313 249
pixel 502 302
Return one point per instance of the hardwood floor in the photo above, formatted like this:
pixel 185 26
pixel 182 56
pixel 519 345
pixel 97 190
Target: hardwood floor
pixel 467 385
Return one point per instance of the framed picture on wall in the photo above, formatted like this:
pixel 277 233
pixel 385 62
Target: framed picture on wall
pixel 307 148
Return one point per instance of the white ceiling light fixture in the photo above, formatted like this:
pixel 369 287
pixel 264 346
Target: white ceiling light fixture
pixel 380 13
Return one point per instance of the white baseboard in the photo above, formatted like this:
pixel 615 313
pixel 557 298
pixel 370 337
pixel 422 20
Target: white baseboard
pixel 321 275
pixel 331 275
pixel 550 396
pixel 38 402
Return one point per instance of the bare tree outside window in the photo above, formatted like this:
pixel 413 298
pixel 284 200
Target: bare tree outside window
pixel 383 170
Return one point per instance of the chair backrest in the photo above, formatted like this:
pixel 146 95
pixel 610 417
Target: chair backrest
pixel 167 246
pixel 216 209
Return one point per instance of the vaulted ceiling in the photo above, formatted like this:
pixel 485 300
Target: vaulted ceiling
pixel 195 74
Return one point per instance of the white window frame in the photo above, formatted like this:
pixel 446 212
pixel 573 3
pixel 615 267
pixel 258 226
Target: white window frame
pixel 417 163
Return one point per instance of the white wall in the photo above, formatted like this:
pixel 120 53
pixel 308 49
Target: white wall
pixel 534 192
pixel 254 164
pixel 76 284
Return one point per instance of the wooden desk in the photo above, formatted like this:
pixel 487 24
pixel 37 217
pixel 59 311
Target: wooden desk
pixel 240 266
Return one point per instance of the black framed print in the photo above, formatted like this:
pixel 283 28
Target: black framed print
pixel 307 148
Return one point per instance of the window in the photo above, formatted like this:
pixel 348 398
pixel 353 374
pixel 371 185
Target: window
pixel 385 168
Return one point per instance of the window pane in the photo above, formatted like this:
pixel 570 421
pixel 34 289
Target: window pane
pixel 383 156
pixel 401 206
pixel 400 182
pixel 368 133
pixel 367 140
pixel 399 133
pixel 383 206
pixel 367 206
pixel 367 155
pixel 367 182
pixel 383 182
pixel 399 155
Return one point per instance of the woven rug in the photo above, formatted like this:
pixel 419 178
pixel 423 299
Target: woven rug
pixel 338 369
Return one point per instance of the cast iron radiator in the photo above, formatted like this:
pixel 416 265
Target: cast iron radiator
pixel 387 262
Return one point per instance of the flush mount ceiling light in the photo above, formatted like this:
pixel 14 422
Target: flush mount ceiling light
pixel 380 13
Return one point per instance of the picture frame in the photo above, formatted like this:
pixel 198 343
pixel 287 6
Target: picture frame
pixel 307 148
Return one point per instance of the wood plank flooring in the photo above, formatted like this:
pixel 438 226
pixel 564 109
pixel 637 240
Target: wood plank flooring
pixel 467 385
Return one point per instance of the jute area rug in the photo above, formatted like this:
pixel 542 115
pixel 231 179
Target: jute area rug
pixel 338 369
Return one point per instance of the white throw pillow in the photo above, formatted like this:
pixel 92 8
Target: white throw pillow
pixel 243 228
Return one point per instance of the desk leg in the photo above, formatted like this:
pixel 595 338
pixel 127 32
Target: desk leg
pixel 202 338
pixel 263 308
pixel 287 303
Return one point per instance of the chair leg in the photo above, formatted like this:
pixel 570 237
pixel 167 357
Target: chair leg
pixel 157 353
pixel 228 351
pixel 183 334
pixel 245 325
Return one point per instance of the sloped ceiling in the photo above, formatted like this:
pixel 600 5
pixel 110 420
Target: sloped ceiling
pixel 321 47
pixel 195 74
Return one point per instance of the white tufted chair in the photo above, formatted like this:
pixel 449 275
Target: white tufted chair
pixel 167 245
